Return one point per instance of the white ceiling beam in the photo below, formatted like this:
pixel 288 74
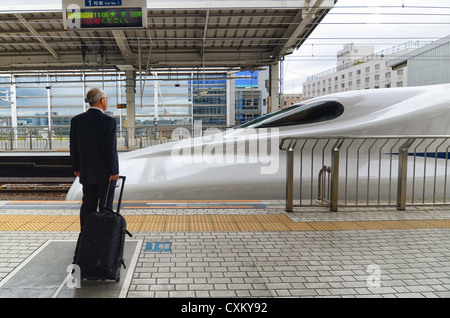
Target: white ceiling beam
pixel 121 40
pixel 297 27
pixel 33 31
pixel 205 30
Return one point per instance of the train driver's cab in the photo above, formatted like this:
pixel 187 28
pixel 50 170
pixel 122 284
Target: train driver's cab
pixel 298 114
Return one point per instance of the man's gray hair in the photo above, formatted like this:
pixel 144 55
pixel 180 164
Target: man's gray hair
pixel 94 96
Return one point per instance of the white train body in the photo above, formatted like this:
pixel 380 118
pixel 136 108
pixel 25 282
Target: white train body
pixel 246 163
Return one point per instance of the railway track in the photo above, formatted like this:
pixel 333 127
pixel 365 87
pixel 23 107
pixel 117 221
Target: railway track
pixel 13 188
pixel 35 184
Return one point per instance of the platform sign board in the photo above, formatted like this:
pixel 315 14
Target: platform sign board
pixel 104 14
pixel 158 247
pixel 102 3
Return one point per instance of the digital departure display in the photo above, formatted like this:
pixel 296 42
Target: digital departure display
pixel 97 18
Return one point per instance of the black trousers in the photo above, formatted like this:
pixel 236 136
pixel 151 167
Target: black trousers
pixel 94 197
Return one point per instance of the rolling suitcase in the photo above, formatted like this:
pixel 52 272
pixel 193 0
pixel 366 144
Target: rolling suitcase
pixel 99 251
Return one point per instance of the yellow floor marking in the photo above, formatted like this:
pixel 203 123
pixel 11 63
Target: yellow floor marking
pixel 299 226
pixel 225 227
pixel 206 223
pixel 199 219
pixel 274 226
pixel 154 219
pixel 176 227
pixel 152 227
pixel 202 227
pixel 222 218
pixel 250 226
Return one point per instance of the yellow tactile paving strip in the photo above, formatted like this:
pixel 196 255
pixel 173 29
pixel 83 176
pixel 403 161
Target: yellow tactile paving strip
pixel 205 223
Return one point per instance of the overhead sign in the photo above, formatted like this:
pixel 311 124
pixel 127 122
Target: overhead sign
pixel 103 14
pixel 105 18
pixel 102 3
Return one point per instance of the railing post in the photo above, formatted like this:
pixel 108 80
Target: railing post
pixel 290 180
pixel 50 137
pixel 402 174
pixel 335 176
pixel 31 138
pixel 13 136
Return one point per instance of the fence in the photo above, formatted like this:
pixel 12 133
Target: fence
pixel 366 171
pixel 57 138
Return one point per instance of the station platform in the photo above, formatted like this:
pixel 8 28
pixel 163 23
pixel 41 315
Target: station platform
pixel 233 249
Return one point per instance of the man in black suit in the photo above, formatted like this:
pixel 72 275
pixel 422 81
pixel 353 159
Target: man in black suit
pixel 93 152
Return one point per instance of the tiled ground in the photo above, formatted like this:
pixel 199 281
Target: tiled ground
pixel 263 252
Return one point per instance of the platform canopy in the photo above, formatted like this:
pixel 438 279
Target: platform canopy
pixel 178 34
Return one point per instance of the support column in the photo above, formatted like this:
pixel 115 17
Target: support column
pixel 231 102
pixel 13 99
pixel 49 114
pixel 156 104
pixel 130 90
pixel 274 98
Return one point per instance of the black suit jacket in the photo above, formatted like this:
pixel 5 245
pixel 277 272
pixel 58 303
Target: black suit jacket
pixel 93 146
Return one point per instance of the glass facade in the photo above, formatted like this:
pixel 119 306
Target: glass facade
pixel 248 106
pixel 50 99
pixel 210 100
pixel 27 100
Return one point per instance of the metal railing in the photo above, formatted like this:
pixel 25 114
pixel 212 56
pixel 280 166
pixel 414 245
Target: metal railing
pixel 57 139
pixel 366 171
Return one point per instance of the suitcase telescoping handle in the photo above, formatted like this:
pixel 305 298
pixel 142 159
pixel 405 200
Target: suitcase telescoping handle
pixel 121 192
pixel 120 195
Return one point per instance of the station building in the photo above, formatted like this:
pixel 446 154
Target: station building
pixel 359 67
pixel 428 65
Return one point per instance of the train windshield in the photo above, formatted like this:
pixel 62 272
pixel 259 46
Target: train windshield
pixel 298 115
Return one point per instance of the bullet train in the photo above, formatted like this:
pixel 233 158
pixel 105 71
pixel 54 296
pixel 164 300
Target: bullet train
pixel 246 163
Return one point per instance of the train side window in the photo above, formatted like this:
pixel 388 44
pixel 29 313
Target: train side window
pixel 308 114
